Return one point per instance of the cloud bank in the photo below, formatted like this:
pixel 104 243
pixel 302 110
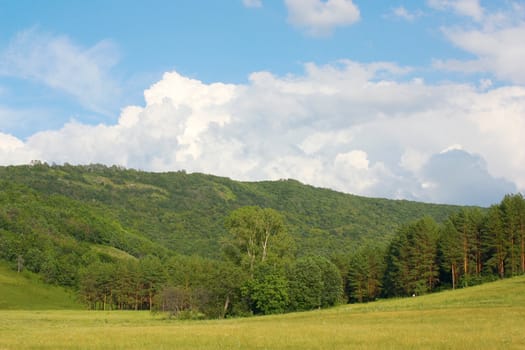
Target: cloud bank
pixel 358 128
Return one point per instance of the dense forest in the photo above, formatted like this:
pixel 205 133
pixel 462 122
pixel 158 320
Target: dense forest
pixel 204 246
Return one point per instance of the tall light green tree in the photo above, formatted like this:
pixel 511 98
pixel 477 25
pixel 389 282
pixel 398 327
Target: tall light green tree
pixel 252 229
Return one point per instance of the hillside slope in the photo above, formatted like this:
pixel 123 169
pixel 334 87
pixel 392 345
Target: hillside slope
pixel 24 291
pixel 141 212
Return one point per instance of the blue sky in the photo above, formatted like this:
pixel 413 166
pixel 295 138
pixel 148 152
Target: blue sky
pixel 379 98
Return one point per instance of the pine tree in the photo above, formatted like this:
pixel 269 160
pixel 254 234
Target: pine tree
pixel 469 224
pixel 496 241
pixel 425 269
pixel 450 251
pixel 411 261
pixel 365 274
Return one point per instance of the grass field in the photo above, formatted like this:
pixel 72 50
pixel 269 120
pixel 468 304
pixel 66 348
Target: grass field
pixel 491 316
pixel 25 291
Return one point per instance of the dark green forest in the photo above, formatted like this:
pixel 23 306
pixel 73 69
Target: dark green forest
pixel 204 246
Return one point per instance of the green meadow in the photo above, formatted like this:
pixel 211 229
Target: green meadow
pixel 26 291
pixel 490 316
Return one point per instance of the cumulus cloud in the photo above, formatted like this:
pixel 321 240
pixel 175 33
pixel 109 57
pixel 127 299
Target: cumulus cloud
pixel 353 171
pixel 358 128
pixel 14 151
pixel 54 61
pixel 320 18
pixel 453 175
pixel 252 3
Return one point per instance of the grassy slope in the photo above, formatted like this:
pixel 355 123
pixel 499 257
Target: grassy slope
pixel 484 317
pixel 26 291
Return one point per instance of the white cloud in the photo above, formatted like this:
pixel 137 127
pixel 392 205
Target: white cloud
pixel 9 143
pixel 469 8
pixel 412 160
pixel 352 127
pixel 14 151
pixel 454 147
pixel 355 159
pixel 320 18
pixel 453 175
pixel 353 171
pixel 402 13
pixel 252 3
pixel 83 73
pixel 494 39
pixel 499 51
pixel 484 84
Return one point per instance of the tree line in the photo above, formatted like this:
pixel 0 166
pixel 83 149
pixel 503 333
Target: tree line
pixel 259 274
pixel 470 247
pixel 262 273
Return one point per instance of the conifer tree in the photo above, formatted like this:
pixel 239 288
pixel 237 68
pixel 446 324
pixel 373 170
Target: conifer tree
pixel 411 261
pixel 450 251
pixel 496 241
pixel 365 274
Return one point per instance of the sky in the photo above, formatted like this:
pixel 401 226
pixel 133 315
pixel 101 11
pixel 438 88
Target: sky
pixel 418 100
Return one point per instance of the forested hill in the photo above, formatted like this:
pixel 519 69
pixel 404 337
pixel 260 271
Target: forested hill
pixel 141 212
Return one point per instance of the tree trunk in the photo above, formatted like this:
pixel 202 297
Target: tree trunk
pixel 265 245
pixel 453 270
pixel 522 254
pixel 465 254
pixel 20 263
pixel 501 264
pixel 226 305
pixel 479 263
pixel 522 231
pixel 430 278
pixel 251 253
